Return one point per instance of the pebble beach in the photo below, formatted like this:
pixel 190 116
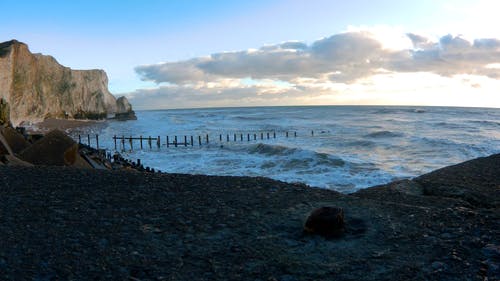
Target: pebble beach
pixel 63 223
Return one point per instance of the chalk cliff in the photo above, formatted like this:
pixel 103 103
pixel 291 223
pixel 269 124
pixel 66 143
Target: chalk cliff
pixel 37 87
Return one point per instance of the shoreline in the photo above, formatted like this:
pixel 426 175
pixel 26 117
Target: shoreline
pixel 60 222
pixel 50 124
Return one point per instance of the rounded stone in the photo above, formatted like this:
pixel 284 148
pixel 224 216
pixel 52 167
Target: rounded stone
pixel 325 221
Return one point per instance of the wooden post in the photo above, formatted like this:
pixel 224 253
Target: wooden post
pixel 267 135
pixel 114 138
pixel 140 137
pixel 274 134
pixel 79 139
pixel 97 141
pixel 138 162
pixel 207 139
pixel 191 140
pixel 220 138
pixel 185 141
pixel 131 145
pixel 168 142
pixel 312 133
pixel 287 134
pixel 123 142
pixel 88 139
pixel 158 142
pixel 227 137
pixel 175 141
pixel 234 137
pixel 149 142
pixel 241 137
pixel 248 137
pixel 254 136
pixel 295 134
pixel 261 136
pixel 199 140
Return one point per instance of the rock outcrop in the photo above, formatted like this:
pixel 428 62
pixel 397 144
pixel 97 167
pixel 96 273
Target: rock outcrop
pixel 4 112
pixel 124 110
pixel 36 87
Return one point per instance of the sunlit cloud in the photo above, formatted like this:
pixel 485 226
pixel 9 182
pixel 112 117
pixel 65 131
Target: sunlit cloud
pixel 360 66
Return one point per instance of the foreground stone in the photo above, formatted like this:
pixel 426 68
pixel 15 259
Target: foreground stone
pixel 326 221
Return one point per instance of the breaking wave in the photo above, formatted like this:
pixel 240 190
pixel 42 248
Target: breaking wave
pixel 384 134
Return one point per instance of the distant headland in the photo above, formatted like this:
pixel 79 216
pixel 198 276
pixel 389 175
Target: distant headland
pixel 34 87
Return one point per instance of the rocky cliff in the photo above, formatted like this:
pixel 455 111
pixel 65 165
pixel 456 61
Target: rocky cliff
pixel 37 87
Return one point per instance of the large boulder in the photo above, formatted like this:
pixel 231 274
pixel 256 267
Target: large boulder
pixel 14 139
pixel 56 149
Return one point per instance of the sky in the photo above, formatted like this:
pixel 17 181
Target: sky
pixel 185 54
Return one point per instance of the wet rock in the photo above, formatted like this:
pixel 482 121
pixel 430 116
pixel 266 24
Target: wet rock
pixel 325 221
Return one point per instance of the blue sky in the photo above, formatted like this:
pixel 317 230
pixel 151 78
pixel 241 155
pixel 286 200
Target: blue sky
pixel 145 46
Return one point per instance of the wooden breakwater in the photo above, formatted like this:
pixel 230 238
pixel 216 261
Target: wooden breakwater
pixel 140 142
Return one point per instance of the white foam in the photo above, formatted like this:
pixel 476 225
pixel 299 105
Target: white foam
pixel 346 152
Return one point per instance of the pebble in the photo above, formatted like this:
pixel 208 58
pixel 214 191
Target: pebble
pixel 491 251
pixel 438 266
pixel 103 243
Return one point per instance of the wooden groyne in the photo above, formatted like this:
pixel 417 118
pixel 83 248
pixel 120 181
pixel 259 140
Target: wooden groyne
pixel 199 140
pixel 141 142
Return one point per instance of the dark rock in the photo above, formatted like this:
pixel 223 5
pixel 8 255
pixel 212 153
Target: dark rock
pixel 125 116
pixel 14 139
pixel 325 221
pixel 54 149
pixel 12 160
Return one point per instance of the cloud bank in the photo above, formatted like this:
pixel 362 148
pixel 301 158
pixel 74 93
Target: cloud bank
pixel 322 72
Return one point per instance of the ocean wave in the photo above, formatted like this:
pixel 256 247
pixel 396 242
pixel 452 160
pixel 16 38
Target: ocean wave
pixel 486 122
pixel 361 143
pixel 295 158
pixel 269 149
pixel 448 125
pixel 251 118
pixel 384 134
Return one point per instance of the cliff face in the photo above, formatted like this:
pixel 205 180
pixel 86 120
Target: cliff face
pixel 37 87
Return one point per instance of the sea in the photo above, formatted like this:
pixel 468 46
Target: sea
pixel 344 148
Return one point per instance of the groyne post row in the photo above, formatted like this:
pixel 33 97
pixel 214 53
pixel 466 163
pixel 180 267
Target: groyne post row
pixel 187 140
pixel 88 140
pixel 141 139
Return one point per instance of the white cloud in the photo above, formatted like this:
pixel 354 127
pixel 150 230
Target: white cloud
pixel 294 72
